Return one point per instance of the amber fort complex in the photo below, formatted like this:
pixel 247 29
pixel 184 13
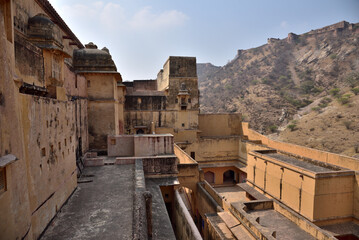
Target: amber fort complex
pixel 85 155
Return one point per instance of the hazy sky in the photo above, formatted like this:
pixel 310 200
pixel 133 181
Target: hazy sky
pixel 141 34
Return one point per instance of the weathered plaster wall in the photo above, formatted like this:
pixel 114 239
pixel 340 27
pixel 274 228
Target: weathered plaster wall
pixel 121 109
pixel 144 85
pixel 101 86
pixel 185 227
pixel 75 84
pixel 219 171
pixel 50 150
pixel 215 149
pixel 219 124
pixel 153 145
pixel 15 215
pixel 101 121
pixel 30 62
pixel 316 196
pixel 163 77
pixel 25 9
pixel 188 172
pixel 120 146
pixel 336 159
pixel 175 121
pixel 174 88
pixel 103 107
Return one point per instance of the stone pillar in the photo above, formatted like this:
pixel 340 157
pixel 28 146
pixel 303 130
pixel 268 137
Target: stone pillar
pixel 148 200
pixel 153 128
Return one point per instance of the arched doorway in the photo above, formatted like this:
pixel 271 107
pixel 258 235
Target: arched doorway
pixel 229 177
pixel 209 177
pixel 140 131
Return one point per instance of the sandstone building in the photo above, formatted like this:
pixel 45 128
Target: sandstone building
pixel 101 158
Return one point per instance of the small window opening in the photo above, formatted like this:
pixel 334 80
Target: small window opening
pixel 113 141
pixel 2 180
pixel 43 152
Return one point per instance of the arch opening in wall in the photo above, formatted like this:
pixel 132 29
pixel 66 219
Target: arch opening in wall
pixel 209 177
pixel 229 177
pixel 140 131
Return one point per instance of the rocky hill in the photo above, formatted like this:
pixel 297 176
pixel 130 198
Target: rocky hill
pixel 303 84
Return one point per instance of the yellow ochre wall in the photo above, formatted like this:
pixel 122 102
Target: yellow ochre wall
pixel 316 198
pixel 335 159
pixel 219 124
pixel 15 215
pixel 43 133
pixel 103 109
pixel 215 149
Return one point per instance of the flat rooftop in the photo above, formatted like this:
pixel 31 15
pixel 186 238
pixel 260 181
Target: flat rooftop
pixel 98 209
pixel 285 229
pixel 269 219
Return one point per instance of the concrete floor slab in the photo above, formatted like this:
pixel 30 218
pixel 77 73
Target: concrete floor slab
pixel 101 209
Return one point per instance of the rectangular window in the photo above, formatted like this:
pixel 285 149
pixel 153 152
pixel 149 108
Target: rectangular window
pixel 193 155
pixel 2 180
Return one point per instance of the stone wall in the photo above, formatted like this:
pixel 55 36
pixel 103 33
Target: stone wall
pixel 51 140
pixel 185 227
pixel 120 146
pixel 325 157
pixel 150 103
pixel 212 149
pixel 156 152
pixel 46 135
pixel 219 124
pixel 15 215
pixel 160 165
pixel 153 145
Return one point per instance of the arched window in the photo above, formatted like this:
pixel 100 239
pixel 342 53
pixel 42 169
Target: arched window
pixel 140 131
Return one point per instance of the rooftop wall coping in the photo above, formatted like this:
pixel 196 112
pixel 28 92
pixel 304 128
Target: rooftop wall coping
pixel 304 171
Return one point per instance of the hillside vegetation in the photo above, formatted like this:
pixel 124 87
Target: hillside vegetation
pixel 302 89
